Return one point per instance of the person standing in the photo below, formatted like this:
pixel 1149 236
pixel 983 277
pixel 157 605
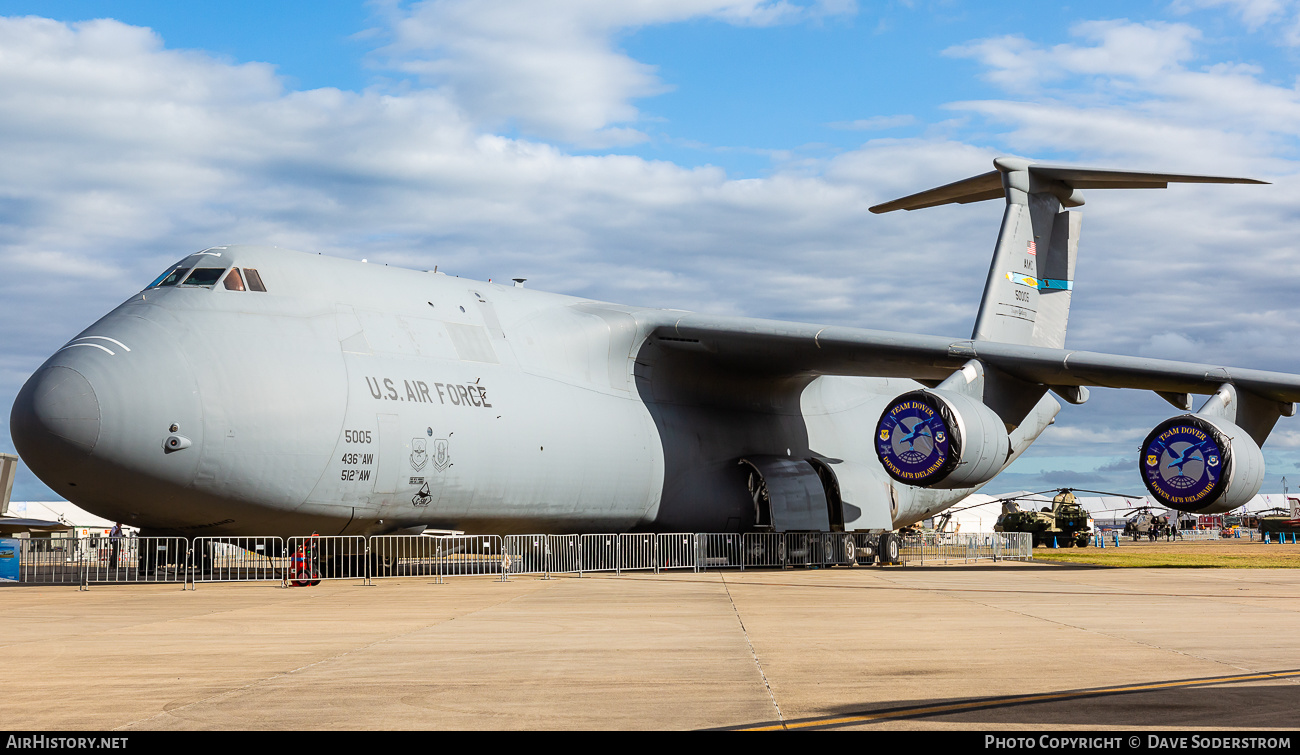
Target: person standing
pixel 115 545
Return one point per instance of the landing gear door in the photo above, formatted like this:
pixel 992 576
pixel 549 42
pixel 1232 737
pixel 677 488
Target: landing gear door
pixel 791 491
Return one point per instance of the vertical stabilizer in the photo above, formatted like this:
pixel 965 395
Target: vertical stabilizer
pixel 1031 279
pixel 1027 294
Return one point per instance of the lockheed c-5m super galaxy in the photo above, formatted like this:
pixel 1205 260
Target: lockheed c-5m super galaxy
pixel 254 390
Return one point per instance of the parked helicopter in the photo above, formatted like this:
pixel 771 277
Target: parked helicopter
pixel 1065 523
pixel 1143 521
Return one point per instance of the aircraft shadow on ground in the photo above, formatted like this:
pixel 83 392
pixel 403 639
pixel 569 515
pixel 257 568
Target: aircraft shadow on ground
pixel 1268 703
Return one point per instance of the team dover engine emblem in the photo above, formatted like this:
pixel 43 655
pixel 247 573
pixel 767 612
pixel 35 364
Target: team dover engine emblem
pixel 1183 462
pixel 913 441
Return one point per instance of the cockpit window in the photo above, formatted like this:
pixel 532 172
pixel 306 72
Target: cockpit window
pixel 171 277
pixel 204 276
pixel 254 280
pixel 233 281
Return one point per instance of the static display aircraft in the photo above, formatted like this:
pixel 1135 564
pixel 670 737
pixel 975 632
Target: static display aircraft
pixel 253 390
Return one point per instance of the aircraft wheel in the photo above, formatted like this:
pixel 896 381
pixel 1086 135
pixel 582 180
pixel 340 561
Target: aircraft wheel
pixel 889 550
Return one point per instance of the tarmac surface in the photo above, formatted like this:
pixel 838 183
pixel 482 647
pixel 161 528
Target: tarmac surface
pixel 991 646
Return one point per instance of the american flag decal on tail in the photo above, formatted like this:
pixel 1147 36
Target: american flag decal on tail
pixel 1033 249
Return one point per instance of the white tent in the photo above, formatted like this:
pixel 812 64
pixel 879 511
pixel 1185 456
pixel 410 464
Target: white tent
pixel 58 511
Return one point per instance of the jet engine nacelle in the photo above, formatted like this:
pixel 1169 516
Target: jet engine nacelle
pixel 940 439
pixel 1201 463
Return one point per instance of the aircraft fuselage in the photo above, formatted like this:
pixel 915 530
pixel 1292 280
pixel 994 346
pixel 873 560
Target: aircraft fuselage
pixel 352 398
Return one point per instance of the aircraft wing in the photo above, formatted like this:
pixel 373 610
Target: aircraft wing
pixel 11 525
pixel 777 348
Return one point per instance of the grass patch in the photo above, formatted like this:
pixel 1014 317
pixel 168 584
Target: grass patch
pixel 1144 558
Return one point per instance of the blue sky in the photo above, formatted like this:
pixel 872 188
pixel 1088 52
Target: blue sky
pixel 714 155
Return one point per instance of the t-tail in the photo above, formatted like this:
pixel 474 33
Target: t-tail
pixel 1207 462
pixel 1031 279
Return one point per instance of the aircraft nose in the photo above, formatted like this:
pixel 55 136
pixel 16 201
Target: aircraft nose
pixel 91 422
pixel 56 416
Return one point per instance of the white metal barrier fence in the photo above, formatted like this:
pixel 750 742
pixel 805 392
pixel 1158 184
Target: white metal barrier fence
pixel 55 560
pixel 1115 538
pixel 720 551
pixel 317 557
pixel 676 551
pixel 308 560
pixel 406 555
pixel 601 553
pixel 525 554
pixel 436 556
pixel 638 552
pixel 940 547
pixel 763 549
pixel 461 555
pixel 103 560
pixel 819 549
pixel 238 559
pixel 564 555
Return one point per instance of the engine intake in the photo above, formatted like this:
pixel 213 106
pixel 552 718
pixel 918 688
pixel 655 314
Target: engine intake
pixel 940 439
pixel 1201 464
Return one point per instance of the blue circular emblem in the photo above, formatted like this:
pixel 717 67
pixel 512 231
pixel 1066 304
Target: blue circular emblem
pixel 913 441
pixel 1183 463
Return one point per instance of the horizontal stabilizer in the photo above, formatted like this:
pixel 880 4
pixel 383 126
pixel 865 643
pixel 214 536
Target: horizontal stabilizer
pixel 974 189
pixel 1103 178
pixel 1055 179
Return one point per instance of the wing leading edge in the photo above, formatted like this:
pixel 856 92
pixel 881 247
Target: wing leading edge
pixel 782 349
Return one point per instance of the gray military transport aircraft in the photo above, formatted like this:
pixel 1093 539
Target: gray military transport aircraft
pixel 258 391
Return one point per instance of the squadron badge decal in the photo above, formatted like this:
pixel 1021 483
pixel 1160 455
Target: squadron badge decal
pixel 441 455
pixel 419 453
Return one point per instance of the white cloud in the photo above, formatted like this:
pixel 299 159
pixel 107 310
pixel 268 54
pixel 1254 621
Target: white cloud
pixel 1091 436
pixel 552 68
pixel 1284 437
pixel 1174 346
pixel 1120 49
